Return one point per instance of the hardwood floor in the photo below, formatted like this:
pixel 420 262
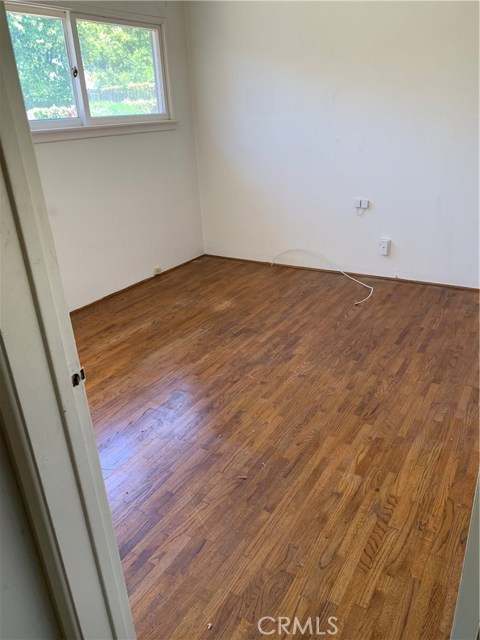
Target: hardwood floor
pixel 269 449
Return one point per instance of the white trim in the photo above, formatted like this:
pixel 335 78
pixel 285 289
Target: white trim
pixel 89 9
pixel 161 85
pixel 26 7
pixel 80 79
pixel 163 57
pixel 75 61
pixel 57 123
pixel 129 22
pixel 100 131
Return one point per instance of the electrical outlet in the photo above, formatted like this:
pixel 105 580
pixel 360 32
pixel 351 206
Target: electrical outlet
pixel 384 246
pixel 361 204
pixel 157 271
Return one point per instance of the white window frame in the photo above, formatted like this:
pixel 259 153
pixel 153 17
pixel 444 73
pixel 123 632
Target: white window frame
pixel 86 125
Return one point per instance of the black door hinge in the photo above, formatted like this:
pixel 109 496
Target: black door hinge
pixel 78 377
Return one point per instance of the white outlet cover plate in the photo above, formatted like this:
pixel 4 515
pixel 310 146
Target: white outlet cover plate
pixel 384 246
pixel 361 203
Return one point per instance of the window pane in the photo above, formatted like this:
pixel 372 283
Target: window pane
pixel 43 66
pixel 119 66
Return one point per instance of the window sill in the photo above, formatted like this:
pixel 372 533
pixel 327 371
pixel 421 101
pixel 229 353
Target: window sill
pixel 100 131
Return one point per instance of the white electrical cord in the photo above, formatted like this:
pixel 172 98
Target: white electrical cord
pixel 332 264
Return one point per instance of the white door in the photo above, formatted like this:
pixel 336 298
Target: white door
pixel 466 623
pixel 48 421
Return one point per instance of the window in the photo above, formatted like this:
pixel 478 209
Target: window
pixel 79 71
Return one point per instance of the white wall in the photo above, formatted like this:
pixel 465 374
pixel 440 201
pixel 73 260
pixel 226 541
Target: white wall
pixel 302 106
pixel 120 206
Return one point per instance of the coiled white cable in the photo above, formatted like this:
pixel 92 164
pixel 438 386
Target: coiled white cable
pixel 332 264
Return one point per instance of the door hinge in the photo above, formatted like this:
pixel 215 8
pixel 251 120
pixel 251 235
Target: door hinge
pixel 78 377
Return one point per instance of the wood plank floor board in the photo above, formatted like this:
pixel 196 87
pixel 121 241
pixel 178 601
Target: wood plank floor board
pixel 270 449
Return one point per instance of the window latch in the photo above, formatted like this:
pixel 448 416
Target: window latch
pixel 74 72
pixel 78 377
